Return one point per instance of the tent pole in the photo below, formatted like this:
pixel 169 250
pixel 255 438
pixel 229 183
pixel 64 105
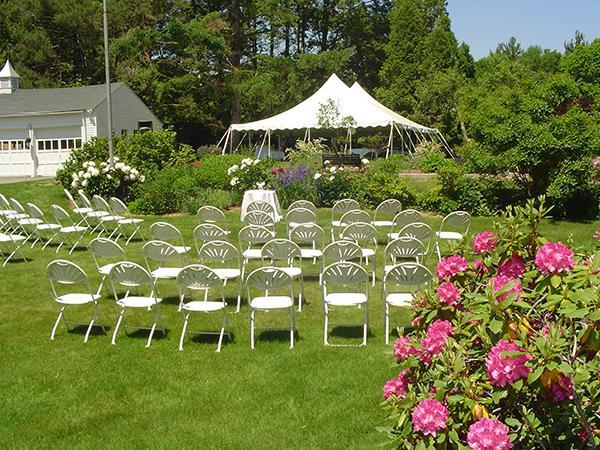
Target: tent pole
pixel 443 139
pixel 226 137
pixel 241 141
pixel 309 138
pixel 411 142
pixel 262 144
pixel 269 150
pixel 350 138
pixel 403 145
pixel 231 143
pixel 389 146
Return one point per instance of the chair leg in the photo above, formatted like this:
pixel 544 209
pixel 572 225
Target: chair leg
pixel 292 327
pixel 223 324
pixel 252 329
pixel 387 323
pixel 325 342
pixel 365 326
pixel 239 297
pixel 301 294
pixel 60 314
pixel 185 323
pixel 114 336
pixel 437 249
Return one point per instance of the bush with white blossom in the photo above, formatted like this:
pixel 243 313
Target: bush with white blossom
pixel 250 174
pixel 102 179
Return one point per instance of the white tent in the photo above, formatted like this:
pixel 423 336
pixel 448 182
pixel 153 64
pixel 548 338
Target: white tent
pixel 365 111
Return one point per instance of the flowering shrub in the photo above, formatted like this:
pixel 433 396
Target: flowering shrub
pixel 250 174
pixel 503 353
pixel 294 184
pixel 102 179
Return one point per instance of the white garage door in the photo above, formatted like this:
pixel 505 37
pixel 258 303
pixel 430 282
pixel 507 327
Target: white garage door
pixel 15 159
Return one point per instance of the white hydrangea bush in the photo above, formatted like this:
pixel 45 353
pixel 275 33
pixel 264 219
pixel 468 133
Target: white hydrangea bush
pixel 251 173
pixel 102 179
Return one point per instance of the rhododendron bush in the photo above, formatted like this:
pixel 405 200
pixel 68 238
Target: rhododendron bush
pixel 503 348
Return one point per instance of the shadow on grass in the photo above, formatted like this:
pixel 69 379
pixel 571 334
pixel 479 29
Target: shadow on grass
pixel 210 338
pixel 277 336
pixel 349 332
pixel 96 330
pixel 143 334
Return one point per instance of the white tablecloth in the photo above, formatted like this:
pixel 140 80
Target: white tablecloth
pixel 264 196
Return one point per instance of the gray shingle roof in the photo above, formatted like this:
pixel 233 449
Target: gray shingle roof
pixel 24 101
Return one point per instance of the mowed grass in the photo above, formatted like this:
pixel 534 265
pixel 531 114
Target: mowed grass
pixel 65 393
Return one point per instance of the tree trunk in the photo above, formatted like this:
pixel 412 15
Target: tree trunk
pixel 236 56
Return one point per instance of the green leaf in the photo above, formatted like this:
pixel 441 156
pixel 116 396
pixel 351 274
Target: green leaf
pixel 535 374
pixel 496 326
pixel 555 281
pixel 512 422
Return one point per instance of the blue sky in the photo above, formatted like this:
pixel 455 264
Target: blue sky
pixel 484 23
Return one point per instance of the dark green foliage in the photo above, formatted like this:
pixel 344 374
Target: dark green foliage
pixel 372 188
pixel 573 192
pixel 212 171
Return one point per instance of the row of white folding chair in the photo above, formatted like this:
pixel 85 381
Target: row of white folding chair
pixel 212 215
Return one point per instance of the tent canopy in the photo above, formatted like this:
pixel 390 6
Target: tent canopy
pixel 355 102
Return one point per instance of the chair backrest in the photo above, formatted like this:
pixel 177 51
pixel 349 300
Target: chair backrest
pixel 342 251
pixel 259 218
pixel 70 197
pixel 300 216
pixel 405 217
pixel 197 277
pixel 35 212
pixel 281 249
pixel 354 216
pixel 344 273
pixel 219 251
pixel 65 272
pixel 303 204
pixel 119 207
pixel 458 221
pixel 4 203
pixel 86 201
pixel 360 232
pixel 308 233
pixel 409 275
pixel 254 234
pixel 268 278
pixel 210 214
pixel 403 248
pixel 159 251
pixel 387 209
pixel 100 203
pixel 106 249
pixel 16 205
pixel 206 232
pixel 342 206
pixel 130 275
pixel 259 205
pixel 420 231
pixel 60 215
pixel 163 231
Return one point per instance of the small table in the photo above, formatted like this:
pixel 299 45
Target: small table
pixel 264 196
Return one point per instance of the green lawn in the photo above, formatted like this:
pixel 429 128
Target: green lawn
pixel 69 394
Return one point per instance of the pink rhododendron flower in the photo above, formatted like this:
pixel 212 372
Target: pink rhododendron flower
pixel 488 434
pixel 554 257
pixel 562 389
pixel 503 369
pixel 416 321
pixel 480 265
pixel 397 386
pixel 404 348
pixel 513 268
pixel 597 234
pixel 450 266
pixel 448 294
pixel 484 243
pixel 429 416
pixel 502 280
pixel 435 340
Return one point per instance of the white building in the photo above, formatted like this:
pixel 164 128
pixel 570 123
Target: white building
pixel 40 127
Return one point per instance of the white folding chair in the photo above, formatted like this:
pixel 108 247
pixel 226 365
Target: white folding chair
pixel 11 243
pixel 92 218
pixel 80 211
pixel 306 204
pixel 399 285
pixel 402 219
pixel 310 237
pixel 454 227
pixel 63 273
pixel 67 228
pixel 195 278
pixel 350 282
pixel 403 249
pixel 109 222
pixel 260 218
pixel 159 257
pixel 213 215
pixel 5 207
pixel 251 239
pixel 365 235
pixel 224 259
pixel 120 209
pixel 339 208
pixel 207 232
pixel 136 281
pixel 106 254
pixel 259 205
pixel 385 212
pixel 354 216
pixel 163 231
pixel 22 222
pixel 44 230
pixel 420 231
pixel 273 283
pixel 287 256
pixel 299 216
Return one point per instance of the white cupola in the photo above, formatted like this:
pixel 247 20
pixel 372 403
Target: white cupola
pixel 9 79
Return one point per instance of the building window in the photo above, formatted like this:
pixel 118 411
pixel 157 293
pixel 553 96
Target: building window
pixel 4 84
pixel 124 132
pixel 145 126
pixel 56 144
pixel 13 145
